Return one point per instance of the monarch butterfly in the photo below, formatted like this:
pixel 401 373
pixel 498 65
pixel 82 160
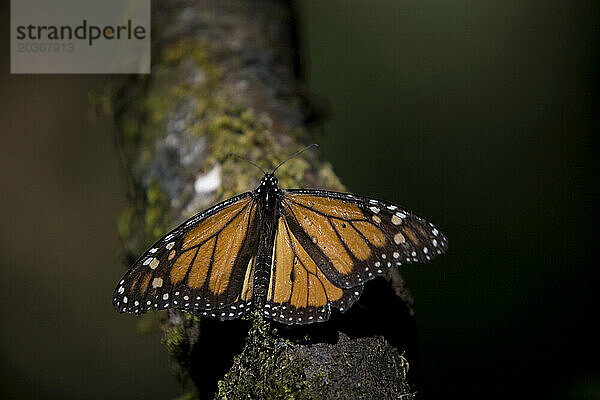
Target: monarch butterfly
pixel 294 254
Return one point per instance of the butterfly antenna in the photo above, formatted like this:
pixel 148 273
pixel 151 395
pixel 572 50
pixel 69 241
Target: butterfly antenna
pixel 248 161
pixel 296 154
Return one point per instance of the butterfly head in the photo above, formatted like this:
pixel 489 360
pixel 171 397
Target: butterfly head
pixel 268 188
pixel 268 183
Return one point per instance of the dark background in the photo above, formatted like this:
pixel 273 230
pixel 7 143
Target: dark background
pixel 482 116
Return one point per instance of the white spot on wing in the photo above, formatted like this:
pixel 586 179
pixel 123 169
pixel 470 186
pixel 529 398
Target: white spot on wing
pixel 399 238
pixel 154 263
pixel 157 282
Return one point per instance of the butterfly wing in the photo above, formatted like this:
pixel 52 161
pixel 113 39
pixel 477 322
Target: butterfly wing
pixel 329 243
pixel 204 266
pixel 299 292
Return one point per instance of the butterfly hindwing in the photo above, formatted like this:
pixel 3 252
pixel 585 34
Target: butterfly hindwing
pixel 299 292
pixel 203 266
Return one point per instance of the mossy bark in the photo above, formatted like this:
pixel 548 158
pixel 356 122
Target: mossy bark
pixel 223 81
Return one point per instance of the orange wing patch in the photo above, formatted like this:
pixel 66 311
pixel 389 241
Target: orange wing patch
pixel 297 280
pixel 248 280
pixel 144 284
pixel 317 296
pixel 371 232
pixel 334 207
pixel 321 232
pixel 225 231
pixel 228 245
pixel 411 235
pixel 353 240
pixel 210 226
pixel 283 262
pixel 201 263
pixel 181 265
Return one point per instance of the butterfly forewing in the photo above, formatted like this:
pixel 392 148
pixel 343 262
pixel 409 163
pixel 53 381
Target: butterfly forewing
pixel 201 267
pixel 353 239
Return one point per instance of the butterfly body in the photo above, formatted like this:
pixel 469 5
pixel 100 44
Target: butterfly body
pixel 293 254
pixel 267 196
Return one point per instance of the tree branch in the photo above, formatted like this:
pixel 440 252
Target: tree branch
pixel 222 81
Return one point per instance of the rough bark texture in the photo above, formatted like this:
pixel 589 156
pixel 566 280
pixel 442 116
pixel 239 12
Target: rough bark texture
pixel 222 81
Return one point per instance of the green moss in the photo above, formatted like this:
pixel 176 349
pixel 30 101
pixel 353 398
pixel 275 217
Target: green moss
pixel 174 54
pixel 266 368
pixel 291 175
pixel 229 127
pixel 329 179
pixel 156 216
pixel 125 223
pixel 275 368
pixel 178 339
pixel 142 108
